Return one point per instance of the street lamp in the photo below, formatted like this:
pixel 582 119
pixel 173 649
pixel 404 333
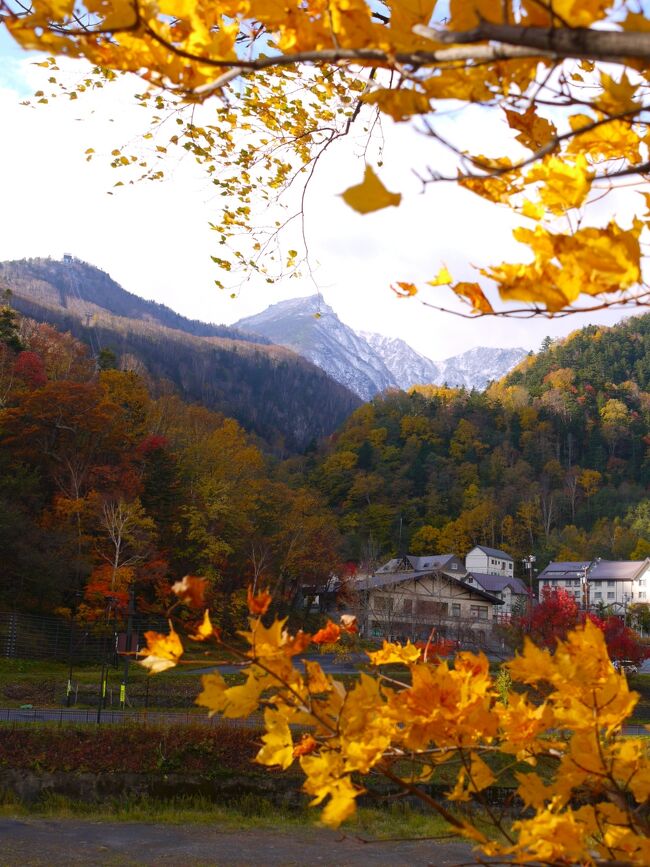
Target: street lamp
pixel 528 564
pixel 586 601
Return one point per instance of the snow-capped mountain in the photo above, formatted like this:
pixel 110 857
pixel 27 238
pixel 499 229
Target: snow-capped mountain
pixel 407 366
pixel 479 366
pixel 370 363
pixel 313 330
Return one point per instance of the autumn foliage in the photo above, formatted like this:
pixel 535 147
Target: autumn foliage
pixel 109 493
pixel 558 732
pixel 558 613
pixel 561 87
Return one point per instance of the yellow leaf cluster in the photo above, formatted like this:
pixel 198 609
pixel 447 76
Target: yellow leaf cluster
pixel 451 715
pixel 590 261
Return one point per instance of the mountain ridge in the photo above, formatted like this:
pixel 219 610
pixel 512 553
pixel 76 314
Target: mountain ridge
pixel 273 392
pixel 367 362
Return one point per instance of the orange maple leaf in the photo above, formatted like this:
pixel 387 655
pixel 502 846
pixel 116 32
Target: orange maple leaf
pixel 259 604
pixel 297 643
pixel 191 590
pixel 307 745
pixel 329 634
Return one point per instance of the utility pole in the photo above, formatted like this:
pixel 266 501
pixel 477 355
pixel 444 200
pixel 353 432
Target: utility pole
pixel 585 587
pixel 104 674
pixel 528 564
pixel 127 657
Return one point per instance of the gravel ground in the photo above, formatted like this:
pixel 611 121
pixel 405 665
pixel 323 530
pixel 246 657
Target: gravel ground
pixel 36 842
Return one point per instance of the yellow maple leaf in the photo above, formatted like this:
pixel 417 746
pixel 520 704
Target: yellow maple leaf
pixel 399 104
pixel 162 651
pixel 278 743
pixel 234 701
pixel 370 195
pixel 580 13
pixel 205 629
pixel 532 790
pixel 442 278
pixel 618 96
pixel 406 653
pixel 214 687
pixel 464 15
pixel 317 680
pixel 564 184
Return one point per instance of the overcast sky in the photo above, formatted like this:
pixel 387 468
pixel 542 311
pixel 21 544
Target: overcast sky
pixel 153 238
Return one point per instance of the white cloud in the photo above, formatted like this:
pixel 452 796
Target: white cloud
pixel 153 238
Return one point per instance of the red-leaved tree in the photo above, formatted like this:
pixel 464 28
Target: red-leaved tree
pixel 558 613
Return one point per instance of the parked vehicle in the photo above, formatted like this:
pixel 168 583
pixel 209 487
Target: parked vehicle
pixel 626 666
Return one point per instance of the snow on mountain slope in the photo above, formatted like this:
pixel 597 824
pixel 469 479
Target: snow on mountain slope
pixel 479 366
pixel 311 328
pixel 370 363
pixel 407 366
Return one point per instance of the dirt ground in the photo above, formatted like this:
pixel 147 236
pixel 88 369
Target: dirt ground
pixel 36 842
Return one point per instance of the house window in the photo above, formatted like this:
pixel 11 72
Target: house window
pixel 611 583
pixel 479 612
pixel 598 595
pixel 431 608
pixel 454 566
pixel 384 603
pixel 642 594
pixel 611 595
pixel 455 609
pixel 408 606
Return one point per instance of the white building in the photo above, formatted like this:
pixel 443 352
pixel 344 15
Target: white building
pixel 513 591
pixel 411 596
pixel 613 584
pixel 490 561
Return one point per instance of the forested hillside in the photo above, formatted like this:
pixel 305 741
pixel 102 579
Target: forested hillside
pixel 271 391
pixel 553 460
pixel 105 487
pixel 81 288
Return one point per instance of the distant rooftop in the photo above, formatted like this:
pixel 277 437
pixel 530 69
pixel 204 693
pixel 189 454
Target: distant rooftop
pixel 497 583
pixel 492 552
pixel 597 570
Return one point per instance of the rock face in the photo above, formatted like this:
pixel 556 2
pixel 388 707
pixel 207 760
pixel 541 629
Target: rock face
pixel 406 365
pixel 313 330
pixel 371 363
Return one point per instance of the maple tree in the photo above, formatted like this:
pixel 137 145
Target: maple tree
pixel 569 79
pixel 585 787
pixel 558 613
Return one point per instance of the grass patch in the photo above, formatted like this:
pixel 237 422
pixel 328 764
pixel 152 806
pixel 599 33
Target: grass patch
pixel 43 684
pixel 397 821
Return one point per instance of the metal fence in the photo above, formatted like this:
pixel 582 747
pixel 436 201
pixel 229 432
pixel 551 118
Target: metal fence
pixel 29 636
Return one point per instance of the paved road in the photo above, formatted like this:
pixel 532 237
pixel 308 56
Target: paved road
pixel 66 716
pixel 42 842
